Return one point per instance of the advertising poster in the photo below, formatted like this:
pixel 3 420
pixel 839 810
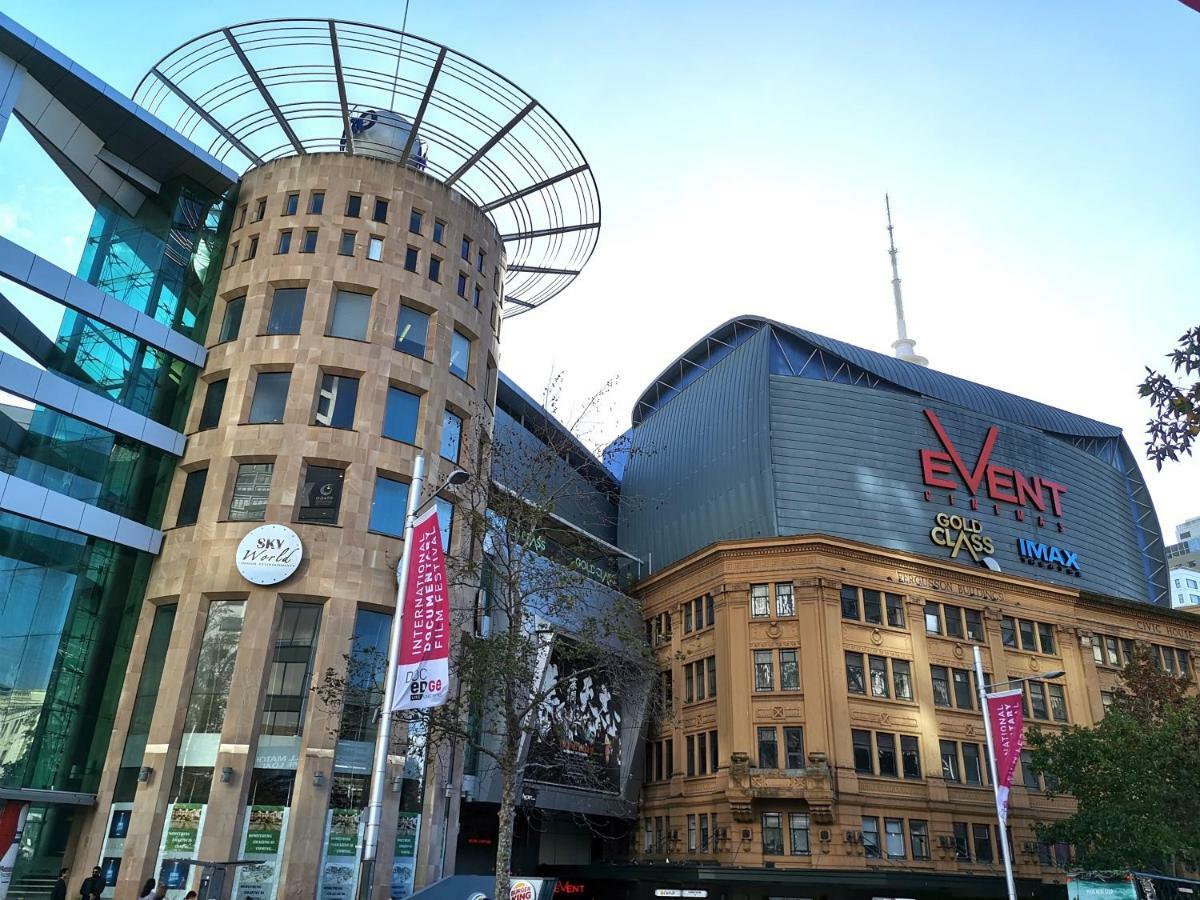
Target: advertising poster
pixel 339 869
pixel 404 866
pixel 114 845
pixel 578 739
pixel 181 838
pixel 262 840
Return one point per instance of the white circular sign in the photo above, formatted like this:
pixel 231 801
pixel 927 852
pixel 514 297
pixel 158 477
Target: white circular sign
pixel 269 554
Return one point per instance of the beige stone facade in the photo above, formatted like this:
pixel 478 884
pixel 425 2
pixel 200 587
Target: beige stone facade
pixel 837 606
pixel 346 565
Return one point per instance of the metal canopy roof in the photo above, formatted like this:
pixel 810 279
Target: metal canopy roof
pixel 261 90
pixel 896 372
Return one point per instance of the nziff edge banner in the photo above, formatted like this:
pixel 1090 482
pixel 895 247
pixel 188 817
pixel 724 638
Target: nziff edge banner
pixel 1008 736
pixel 423 676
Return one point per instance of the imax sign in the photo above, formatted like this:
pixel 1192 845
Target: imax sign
pixel 1048 556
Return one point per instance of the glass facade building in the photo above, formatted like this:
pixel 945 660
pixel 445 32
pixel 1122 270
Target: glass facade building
pixel 90 437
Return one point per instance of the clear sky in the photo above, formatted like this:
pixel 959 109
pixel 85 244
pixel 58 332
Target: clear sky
pixel 1042 160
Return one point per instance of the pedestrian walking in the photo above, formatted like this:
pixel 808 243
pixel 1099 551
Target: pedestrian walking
pixel 59 891
pixel 147 891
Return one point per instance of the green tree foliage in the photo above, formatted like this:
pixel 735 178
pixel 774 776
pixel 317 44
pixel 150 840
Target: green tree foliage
pixel 1176 423
pixel 1134 775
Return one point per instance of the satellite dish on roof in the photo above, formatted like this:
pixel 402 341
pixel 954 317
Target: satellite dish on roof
pixel 384 134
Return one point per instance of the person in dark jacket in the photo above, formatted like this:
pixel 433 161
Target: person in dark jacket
pixel 59 891
pixel 93 887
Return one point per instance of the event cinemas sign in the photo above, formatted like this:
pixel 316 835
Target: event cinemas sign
pixel 947 469
pixel 1031 497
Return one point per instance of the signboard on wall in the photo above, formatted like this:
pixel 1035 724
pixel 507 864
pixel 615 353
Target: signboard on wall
pixel 578 739
pixel 269 554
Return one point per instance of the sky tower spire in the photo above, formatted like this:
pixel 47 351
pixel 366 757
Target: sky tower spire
pixel 904 347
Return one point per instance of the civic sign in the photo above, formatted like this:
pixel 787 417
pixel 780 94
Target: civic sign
pixel 1008 735
pixel 423 678
pixel 269 554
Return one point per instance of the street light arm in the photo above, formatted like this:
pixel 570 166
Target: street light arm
pixel 1049 676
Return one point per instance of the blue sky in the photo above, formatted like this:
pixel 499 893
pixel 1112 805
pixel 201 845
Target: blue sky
pixel 1041 157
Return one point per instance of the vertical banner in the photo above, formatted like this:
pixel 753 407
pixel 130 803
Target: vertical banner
pixel 12 823
pixel 263 838
pixel 404 865
pixel 1008 736
pixel 423 677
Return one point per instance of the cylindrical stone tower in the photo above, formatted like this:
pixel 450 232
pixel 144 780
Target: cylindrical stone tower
pixel 356 326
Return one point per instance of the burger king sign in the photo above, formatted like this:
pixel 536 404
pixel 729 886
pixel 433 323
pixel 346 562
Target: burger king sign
pixel 522 890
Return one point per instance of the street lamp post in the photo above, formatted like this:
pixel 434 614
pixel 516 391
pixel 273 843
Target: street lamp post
pixel 383 736
pixel 991 755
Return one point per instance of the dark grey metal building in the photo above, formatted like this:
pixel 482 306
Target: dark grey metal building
pixel 761 428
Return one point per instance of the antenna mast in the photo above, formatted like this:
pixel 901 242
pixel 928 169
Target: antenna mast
pixel 904 347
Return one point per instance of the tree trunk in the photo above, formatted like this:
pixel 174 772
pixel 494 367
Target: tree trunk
pixel 506 818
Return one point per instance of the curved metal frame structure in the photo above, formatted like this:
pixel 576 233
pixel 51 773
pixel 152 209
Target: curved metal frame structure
pixel 261 90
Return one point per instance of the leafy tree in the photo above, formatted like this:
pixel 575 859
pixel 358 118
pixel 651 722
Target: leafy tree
pixel 1176 423
pixel 1134 775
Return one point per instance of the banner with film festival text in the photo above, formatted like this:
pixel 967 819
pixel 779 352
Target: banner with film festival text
pixel 1008 736
pixel 423 678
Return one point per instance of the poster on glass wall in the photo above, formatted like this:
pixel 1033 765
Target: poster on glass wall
pixel 404 866
pixel 262 840
pixel 339 870
pixel 181 838
pixel 578 738
pixel 114 845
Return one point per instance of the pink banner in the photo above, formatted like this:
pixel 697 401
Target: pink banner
pixel 423 678
pixel 1008 736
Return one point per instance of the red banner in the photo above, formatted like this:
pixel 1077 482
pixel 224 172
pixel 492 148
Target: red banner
pixel 423 678
pixel 1008 736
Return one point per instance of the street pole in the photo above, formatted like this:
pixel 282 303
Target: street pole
pixel 991 755
pixel 383 737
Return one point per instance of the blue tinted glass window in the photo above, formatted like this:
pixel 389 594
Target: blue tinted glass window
pixel 193 493
pixel 270 397
pixel 290 204
pixel 451 436
pixel 351 314
pixel 460 355
pixel 214 400
pixel 81 460
pixel 400 415
pixel 388 506
pixel 410 259
pixel 287 311
pixel 412 331
pixel 336 401
pixel 435 269
pixel 231 324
